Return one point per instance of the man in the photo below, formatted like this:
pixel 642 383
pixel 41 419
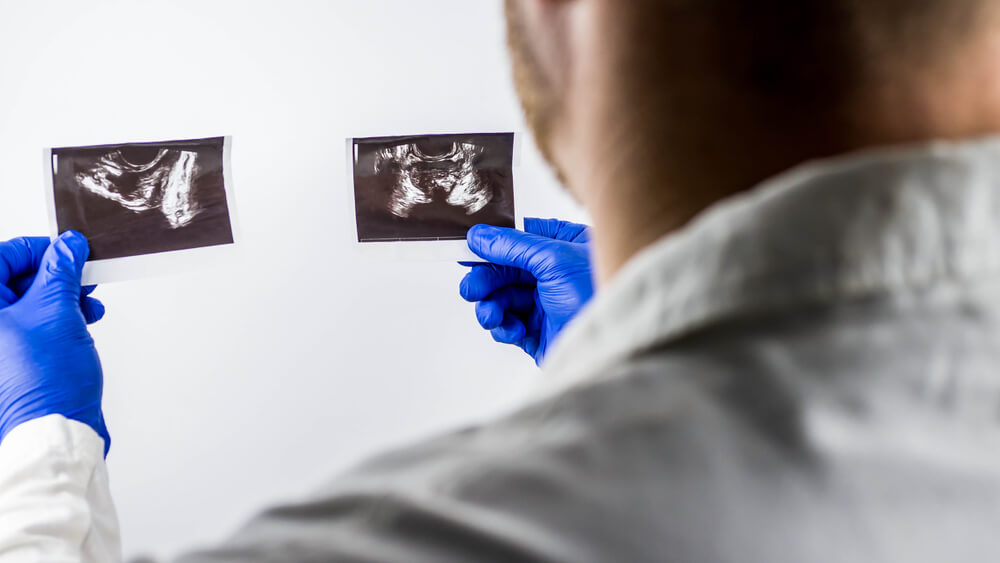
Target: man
pixel 801 368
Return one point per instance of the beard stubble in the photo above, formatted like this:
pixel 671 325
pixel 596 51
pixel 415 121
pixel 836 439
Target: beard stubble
pixel 537 96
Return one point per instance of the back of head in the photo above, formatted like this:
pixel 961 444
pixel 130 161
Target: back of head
pixel 651 110
pixel 862 72
pixel 814 49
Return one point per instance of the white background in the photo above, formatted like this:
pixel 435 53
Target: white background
pixel 254 382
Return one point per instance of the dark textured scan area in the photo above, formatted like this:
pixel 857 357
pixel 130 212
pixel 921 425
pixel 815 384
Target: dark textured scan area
pixel 432 187
pixel 145 198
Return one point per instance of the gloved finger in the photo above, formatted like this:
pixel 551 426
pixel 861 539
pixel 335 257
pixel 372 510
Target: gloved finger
pixel 93 310
pixel 15 289
pixel 61 268
pixel 21 256
pixel 536 318
pixel 513 248
pixel 558 230
pixel 21 284
pixel 484 279
pixel 511 331
pixel 489 314
pixel 103 431
pixel 531 345
pixel 490 311
pixel 7 297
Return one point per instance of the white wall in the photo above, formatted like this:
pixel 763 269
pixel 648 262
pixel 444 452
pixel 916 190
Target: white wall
pixel 230 389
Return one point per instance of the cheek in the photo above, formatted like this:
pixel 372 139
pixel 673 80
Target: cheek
pixel 540 36
pixel 542 32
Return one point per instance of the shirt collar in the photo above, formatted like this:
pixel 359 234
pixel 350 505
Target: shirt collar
pixel 877 222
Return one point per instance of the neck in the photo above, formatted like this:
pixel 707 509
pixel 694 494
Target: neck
pixel 634 205
pixel 640 188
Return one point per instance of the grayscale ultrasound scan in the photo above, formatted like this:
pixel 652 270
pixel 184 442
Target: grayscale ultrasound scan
pixel 143 198
pixel 432 187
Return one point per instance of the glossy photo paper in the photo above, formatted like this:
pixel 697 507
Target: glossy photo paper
pixel 418 195
pixel 146 208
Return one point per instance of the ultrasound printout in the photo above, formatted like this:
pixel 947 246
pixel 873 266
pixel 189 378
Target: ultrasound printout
pixel 143 198
pixel 432 187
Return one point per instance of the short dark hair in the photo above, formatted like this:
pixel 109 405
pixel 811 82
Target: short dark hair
pixel 818 50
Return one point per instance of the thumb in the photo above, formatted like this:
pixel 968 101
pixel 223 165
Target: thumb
pixel 510 247
pixel 557 229
pixel 61 267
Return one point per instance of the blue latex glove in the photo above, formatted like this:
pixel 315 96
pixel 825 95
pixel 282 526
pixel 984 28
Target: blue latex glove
pixel 535 283
pixel 48 363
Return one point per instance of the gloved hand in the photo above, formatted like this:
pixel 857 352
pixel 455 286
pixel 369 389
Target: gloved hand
pixel 48 363
pixel 535 284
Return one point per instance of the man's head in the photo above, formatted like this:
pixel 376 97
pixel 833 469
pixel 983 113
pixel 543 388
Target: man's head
pixel 651 110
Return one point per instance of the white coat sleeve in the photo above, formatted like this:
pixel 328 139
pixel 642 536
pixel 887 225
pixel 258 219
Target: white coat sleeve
pixel 55 502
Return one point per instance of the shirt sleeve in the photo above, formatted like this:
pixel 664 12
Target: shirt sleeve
pixel 55 500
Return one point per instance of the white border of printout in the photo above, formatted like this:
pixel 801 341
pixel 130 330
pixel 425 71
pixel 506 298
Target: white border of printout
pixel 160 263
pixel 425 250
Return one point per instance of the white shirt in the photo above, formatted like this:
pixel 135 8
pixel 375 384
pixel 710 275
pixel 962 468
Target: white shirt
pixel 55 504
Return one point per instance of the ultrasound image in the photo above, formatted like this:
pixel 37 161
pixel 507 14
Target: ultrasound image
pixel 432 187
pixel 137 199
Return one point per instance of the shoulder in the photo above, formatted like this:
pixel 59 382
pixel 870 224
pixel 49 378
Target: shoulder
pixel 606 470
pixel 622 468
